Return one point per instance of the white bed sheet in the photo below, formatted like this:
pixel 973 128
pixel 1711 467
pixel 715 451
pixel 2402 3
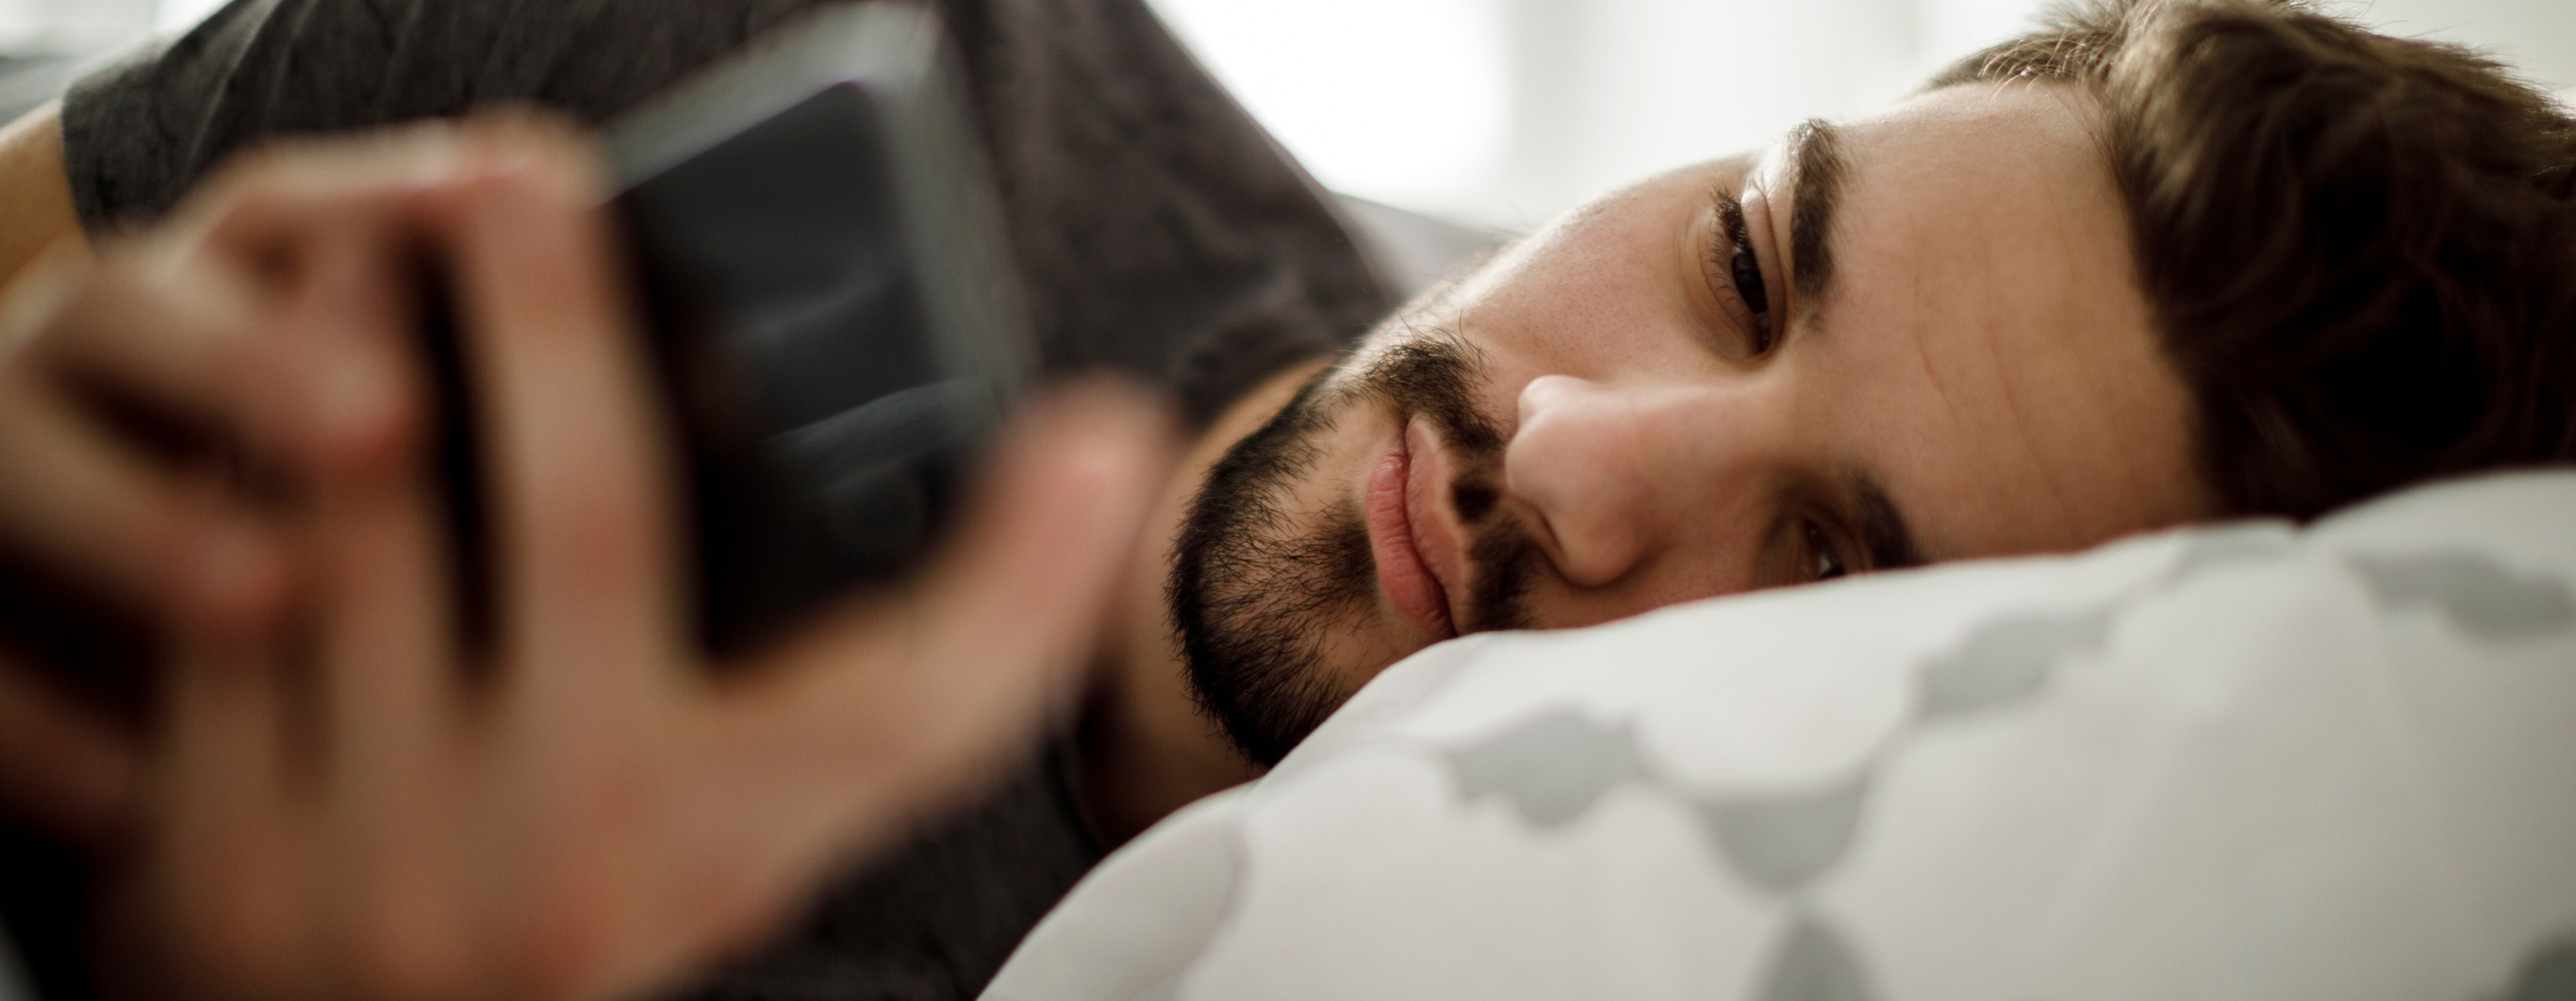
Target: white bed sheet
pixel 2233 762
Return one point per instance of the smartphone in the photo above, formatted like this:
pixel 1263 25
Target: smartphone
pixel 833 312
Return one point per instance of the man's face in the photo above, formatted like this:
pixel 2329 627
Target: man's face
pixel 1911 338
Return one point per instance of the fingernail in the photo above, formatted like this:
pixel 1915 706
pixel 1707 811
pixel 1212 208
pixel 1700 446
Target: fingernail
pixel 352 396
pixel 432 154
pixel 546 168
pixel 432 174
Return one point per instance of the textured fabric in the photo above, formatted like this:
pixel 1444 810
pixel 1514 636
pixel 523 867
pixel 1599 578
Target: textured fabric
pixel 935 919
pixel 1160 233
pixel 2244 761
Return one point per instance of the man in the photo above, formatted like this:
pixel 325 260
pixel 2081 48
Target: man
pixel 2150 266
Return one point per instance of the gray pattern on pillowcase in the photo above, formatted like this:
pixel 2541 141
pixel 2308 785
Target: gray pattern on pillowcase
pixel 2480 597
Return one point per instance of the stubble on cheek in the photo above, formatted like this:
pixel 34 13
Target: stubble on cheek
pixel 1273 590
pixel 1343 591
pixel 1272 584
pixel 1315 575
pixel 1304 589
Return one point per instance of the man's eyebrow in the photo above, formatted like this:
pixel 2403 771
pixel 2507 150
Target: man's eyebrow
pixel 1815 154
pixel 1883 532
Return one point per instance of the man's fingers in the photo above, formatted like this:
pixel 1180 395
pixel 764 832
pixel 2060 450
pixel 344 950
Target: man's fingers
pixel 288 373
pixel 577 508
pixel 1045 546
pixel 393 728
pixel 394 735
pixel 235 314
pixel 233 882
pixel 891 709
pixel 84 498
pixel 271 195
pixel 177 335
pixel 277 363
pixel 572 432
pixel 890 706
pixel 63 766
pixel 88 504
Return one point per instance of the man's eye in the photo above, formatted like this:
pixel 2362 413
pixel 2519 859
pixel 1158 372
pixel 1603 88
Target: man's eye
pixel 1824 563
pixel 1744 269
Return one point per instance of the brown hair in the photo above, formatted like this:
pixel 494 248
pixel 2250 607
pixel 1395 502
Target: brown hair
pixel 2361 249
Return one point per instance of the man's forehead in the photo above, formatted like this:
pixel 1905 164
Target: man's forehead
pixel 1997 366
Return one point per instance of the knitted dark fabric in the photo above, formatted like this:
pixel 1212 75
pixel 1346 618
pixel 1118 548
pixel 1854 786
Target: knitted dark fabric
pixel 1160 231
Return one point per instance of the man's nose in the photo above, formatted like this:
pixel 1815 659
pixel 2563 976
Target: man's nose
pixel 1587 457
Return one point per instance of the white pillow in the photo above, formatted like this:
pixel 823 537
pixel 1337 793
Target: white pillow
pixel 2232 762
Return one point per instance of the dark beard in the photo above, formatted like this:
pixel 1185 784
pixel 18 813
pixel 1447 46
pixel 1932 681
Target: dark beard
pixel 1252 602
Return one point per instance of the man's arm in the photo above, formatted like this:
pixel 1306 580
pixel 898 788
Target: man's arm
pixel 35 191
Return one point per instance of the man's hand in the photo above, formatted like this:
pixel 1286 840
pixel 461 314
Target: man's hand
pixel 332 803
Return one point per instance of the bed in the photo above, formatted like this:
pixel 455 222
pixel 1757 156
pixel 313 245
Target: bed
pixel 2239 761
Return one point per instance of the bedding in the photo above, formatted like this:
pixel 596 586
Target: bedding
pixel 2240 761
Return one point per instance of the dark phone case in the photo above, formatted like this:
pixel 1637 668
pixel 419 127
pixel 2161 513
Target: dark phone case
pixel 833 319
pixel 836 320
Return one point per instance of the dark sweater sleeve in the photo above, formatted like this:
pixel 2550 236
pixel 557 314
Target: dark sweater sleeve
pixel 1159 230
pixel 139 133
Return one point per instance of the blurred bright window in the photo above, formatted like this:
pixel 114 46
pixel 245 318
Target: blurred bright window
pixel 1404 101
pixel 70 27
pixel 85 27
pixel 1507 112
pixel 175 15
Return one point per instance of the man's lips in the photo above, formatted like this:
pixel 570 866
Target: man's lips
pixel 1405 535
